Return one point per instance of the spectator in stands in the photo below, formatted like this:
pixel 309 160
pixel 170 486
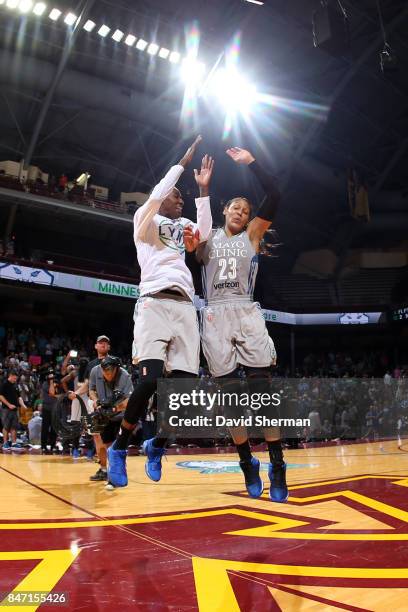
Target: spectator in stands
pixel 49 400
pixel 102 347
pixel 315 424
pixel 10 247
pixel 62 183
pixel 10 399
pixel 34 428
pixel 326 430
pixel 387 379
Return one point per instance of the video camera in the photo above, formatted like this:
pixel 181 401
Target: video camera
pixel 97 421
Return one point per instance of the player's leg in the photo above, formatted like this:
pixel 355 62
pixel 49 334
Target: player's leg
pixel 152 333
pixel 108 436
pixel 258 380
pixel 149 371
pixel 155 448
pixel 183 356
pixel 250 466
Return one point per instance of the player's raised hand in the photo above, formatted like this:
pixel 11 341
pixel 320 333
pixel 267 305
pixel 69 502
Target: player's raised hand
pixel 191 238
pixel 203 177
pixel 188 155
pixel 240 156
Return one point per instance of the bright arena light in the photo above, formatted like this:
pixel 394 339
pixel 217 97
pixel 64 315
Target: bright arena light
pixel 164 53
pixel 55 14
pixel 175 57
pixel 130 40
pixel 141 44
pixel 70 19
pixel 39 8
pixel 103 31
pixel 192 71
pixel 233 91
pixel 12 3
pixel 89 26
pixel 152 49
pixel 25 6
pixel 118 35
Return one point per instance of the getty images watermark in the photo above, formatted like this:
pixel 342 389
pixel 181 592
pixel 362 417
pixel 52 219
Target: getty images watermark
pixel 204 408
pixel 208 401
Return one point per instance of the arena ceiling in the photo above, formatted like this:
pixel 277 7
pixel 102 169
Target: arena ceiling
pixel 116 111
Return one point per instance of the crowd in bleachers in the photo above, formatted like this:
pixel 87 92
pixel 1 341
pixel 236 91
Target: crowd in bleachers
pixel 344 395
pixel 61 189
pixel 32 358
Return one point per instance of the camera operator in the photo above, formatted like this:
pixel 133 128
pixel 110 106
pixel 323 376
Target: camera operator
pixel 49 400
pixel 108 381
pixel 11 399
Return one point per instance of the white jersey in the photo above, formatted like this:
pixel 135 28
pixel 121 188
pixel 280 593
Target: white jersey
pixel 159 240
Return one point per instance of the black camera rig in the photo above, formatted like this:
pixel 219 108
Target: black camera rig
pixel 105 411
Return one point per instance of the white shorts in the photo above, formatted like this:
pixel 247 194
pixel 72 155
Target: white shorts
pixel 168 330
pixel 234 333
pixel 76 408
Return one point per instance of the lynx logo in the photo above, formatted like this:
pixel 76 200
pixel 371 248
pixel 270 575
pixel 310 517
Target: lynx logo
pixel 230 467
pixel 354 318
pixel 171 235
pixel 26 275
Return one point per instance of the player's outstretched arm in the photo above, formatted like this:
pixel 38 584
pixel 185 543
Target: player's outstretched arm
pixel 145 213
pixel 267 210
pixel 196 235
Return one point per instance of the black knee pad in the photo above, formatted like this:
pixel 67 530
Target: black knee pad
pixel 259 382
pixel 229 385
pixel 149 371
pixel 181 374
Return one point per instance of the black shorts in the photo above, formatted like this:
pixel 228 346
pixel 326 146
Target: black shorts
pixel 9 419
pixel 110 431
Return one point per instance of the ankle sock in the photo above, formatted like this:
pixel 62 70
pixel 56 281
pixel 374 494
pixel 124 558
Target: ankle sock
pixel 275 452
pixel 122 440
pixel 159 442
pixel 244 452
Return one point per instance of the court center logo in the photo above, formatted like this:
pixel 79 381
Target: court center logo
pixel 228 467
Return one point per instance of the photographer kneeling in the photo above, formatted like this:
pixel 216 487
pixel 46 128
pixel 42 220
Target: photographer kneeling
pixel 110 387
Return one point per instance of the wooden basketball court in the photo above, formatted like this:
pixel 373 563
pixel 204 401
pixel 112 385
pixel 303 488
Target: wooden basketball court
pixel 196 541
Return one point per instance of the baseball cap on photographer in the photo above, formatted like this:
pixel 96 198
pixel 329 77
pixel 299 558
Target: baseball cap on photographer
pixel 103 338
pixel 110 362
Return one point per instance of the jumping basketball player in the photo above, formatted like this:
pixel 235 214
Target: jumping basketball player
pixel 233 328
pixel 166 330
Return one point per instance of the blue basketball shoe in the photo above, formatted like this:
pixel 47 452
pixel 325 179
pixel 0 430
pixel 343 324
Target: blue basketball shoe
pixel 117 474
pixel 153 466
pixel 278 491
pixel 253 481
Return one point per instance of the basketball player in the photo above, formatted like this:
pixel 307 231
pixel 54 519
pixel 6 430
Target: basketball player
pixel 166 333
pixel 233 328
